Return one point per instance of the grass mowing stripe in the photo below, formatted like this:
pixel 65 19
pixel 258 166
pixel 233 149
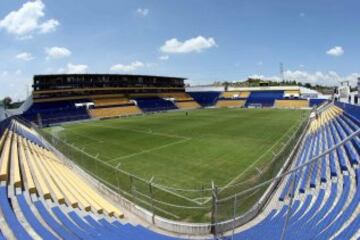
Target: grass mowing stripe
pixel 147 151
pixel 224 143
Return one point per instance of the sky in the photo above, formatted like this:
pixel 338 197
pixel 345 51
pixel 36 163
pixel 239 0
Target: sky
pixel 202 40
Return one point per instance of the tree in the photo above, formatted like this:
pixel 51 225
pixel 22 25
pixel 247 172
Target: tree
pixel 7 102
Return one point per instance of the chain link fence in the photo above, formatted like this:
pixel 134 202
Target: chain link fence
pixel 201 204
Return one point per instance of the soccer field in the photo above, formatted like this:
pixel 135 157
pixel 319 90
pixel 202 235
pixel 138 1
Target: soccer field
pixel 176 150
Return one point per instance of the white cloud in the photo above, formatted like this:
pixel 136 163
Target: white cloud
pixel 142 11
pixel 18 72
pixel 323 78
pixel 164 58
pixel 27 20
pixel 4 73
pixel 57 52
pixel 25 56
pixel 127 68
pixel 196 44
pixel 335 51
pixel 74 68
pixel 49 26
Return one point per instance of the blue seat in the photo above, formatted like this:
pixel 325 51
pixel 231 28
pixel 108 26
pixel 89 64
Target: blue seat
pixel 69 225
pixel 205 99
pixel 10 217
pixel 345 215
pixel 334 211
pixel 263 98
pixel 298 224
pixel 82 224
pixel 330 143
pixel 303 232
pixel 350 150
pixel 108 233
pixel 59 229
pixel 323 161
pixel 316 101
pixel 56 112
pixel 155 104
pixel 314 166
pixel 350 230
pixel 32 220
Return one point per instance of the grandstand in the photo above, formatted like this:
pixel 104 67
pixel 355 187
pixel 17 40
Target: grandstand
pixel 149 176
pixel 76 97
pixel 325 192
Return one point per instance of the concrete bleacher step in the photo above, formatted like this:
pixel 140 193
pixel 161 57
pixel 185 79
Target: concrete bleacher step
pixel 12 221
pixel 325 198
pixel 329 205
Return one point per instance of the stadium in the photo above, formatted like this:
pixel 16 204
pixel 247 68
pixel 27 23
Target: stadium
pixel 123 156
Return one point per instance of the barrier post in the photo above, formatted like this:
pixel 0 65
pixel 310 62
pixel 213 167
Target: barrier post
pixel 132 187
pixel 289 212
pixel 234 216
pixel 152 200
pixel 214 208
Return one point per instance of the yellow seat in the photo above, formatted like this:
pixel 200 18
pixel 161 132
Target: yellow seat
pixel 110 101
pixel 41 184
pixel 5 154
pixel 71 193
pixel 107 206
pixel 230 103
pixel 15 177
pixel 25 169
pixel 114 111
pixel 291 103
pixel 187 105
pixel 178 96
pixel 56 193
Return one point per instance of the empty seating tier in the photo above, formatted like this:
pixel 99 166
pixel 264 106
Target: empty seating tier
pixel 236 94
pixel 180 96
pixel 326 192
pixel 110 102
pixel 263 98
pixel 43 196
pixel 187 105
pixel 230 103
pixel 205 99
pixel 48 113
pixel 291 103
pixel 114 111
pixel 40 193
pixel 155 104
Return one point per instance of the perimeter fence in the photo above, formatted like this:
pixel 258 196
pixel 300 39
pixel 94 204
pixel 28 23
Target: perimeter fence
pixel 193 205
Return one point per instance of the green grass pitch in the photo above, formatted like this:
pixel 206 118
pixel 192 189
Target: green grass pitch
pixel 186 151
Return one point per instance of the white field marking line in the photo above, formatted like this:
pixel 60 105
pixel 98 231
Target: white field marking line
pixel 104 162
pixel 146 151
pixel 143 131
pixel 85 136
pixel 258 159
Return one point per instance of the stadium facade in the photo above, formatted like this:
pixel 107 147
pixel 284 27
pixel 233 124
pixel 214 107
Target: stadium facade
pixel 44 194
